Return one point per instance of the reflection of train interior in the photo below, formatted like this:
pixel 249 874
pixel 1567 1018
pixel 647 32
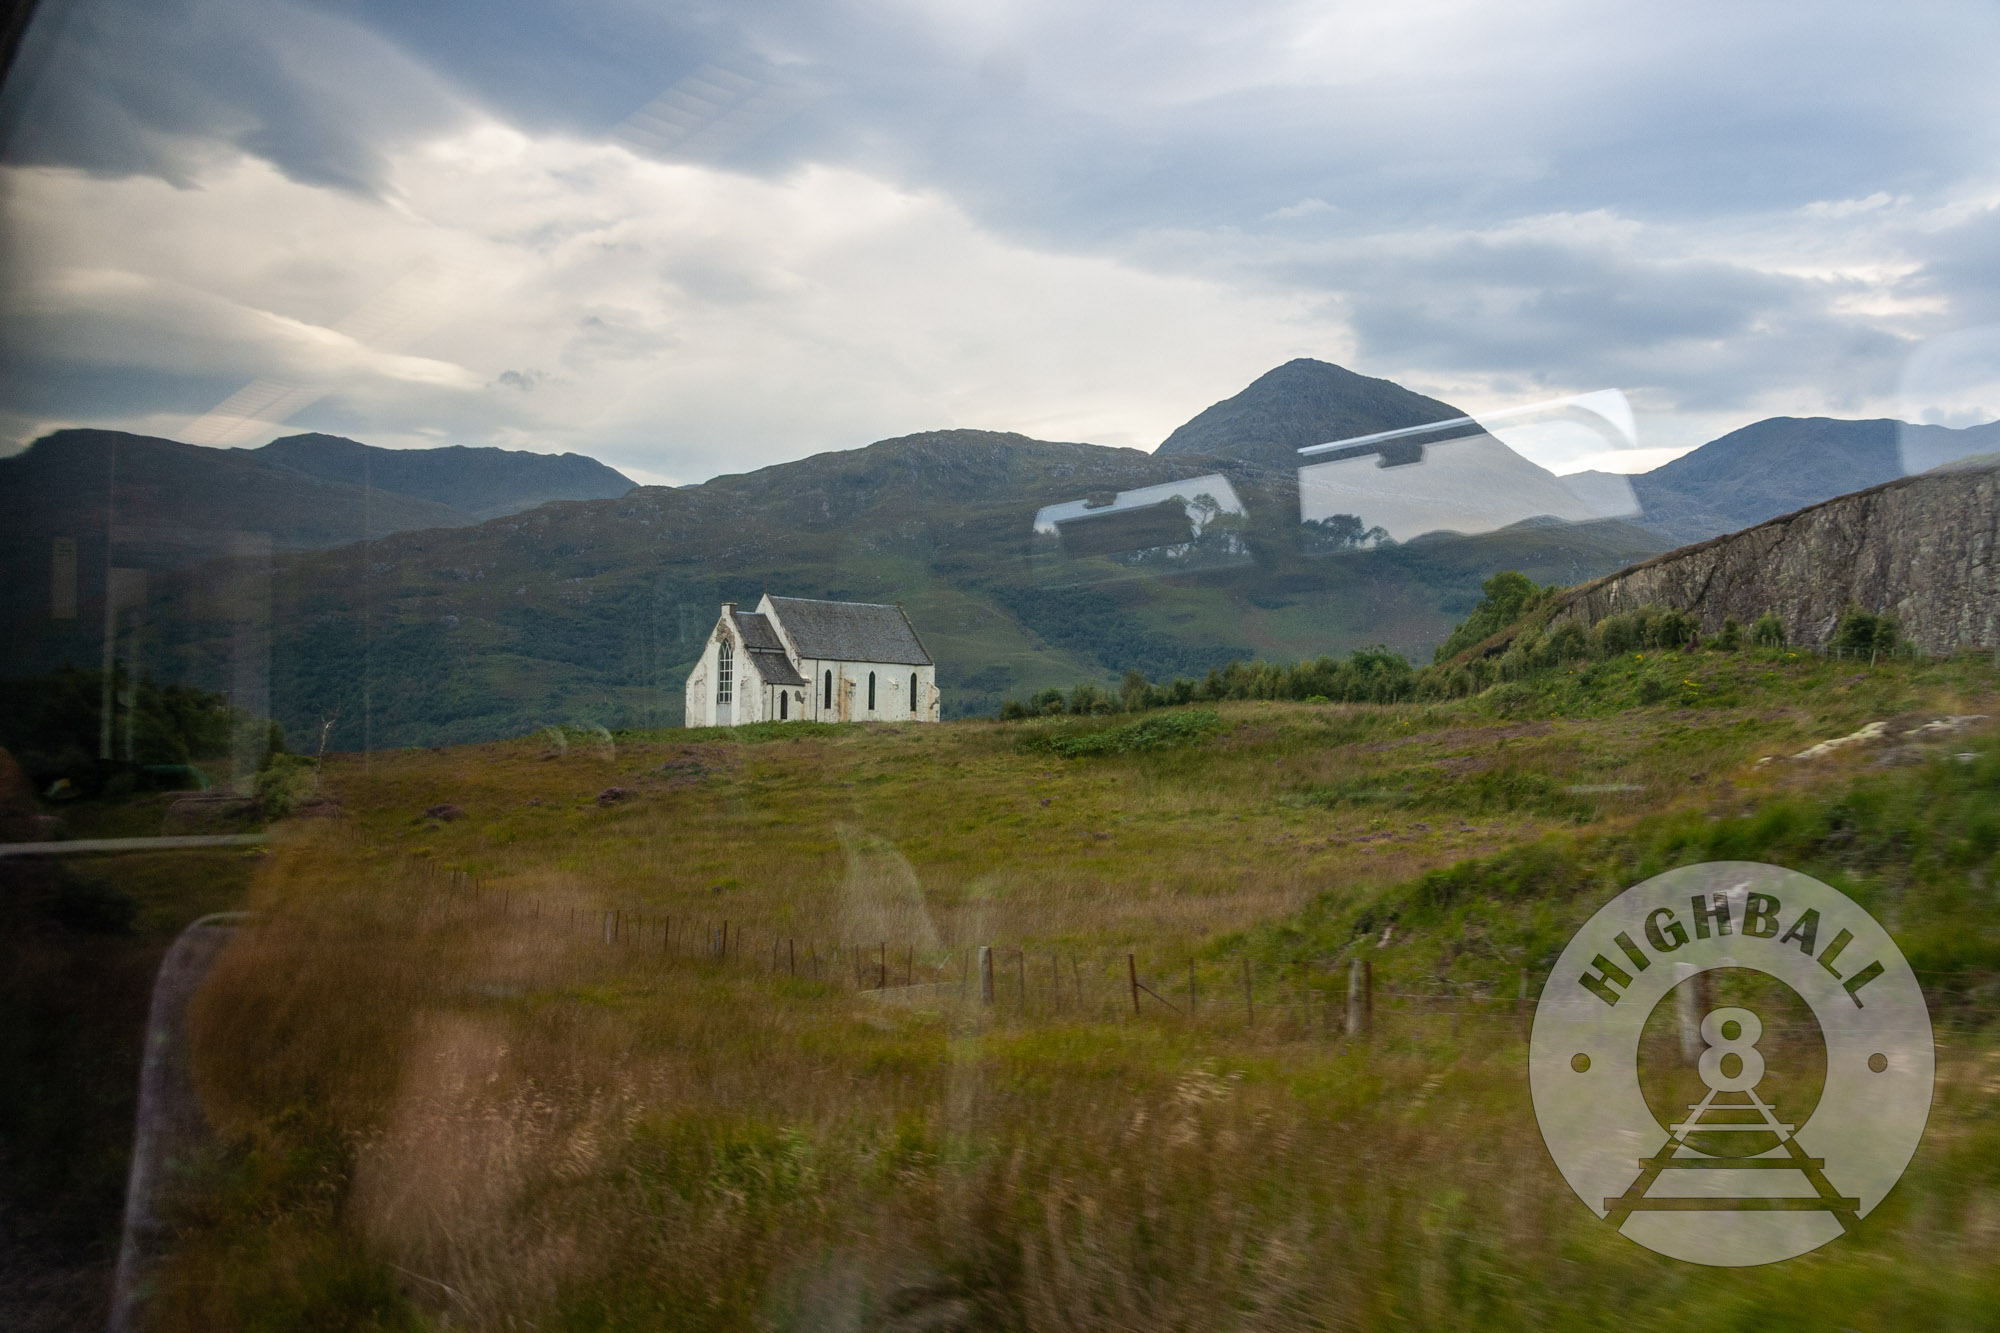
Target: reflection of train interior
pixel 1465 476
pixel 1171 517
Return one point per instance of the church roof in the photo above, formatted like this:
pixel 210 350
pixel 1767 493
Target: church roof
pixel 850 631
pixel 765 650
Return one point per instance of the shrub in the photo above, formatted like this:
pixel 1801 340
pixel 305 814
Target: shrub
pixel 1864 632
pixel 1617 635
pixel 1161 732
pixel 1087 700
pixel 1673 629
pixel 1731 637
pixel 1508 596
pixel 1569 641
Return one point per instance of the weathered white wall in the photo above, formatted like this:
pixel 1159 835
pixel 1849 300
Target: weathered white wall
pixel 892 691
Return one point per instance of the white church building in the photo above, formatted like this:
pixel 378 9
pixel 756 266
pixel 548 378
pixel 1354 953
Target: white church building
pixel 798 660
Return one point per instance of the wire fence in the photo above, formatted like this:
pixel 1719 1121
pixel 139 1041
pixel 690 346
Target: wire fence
pixel 1334 995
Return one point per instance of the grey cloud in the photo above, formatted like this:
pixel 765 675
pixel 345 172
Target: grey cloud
pixel 1961 264
pixel 1710 334
pixel 161 86
pixel 1172 139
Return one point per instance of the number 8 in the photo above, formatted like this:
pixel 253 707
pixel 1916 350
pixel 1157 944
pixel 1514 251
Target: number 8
pixel 1722 1043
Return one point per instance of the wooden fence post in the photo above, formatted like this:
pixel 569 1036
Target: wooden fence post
pixel 1132 972
pixel 610 928
pixel 985 974
pixel 882 977
pixel 1367 996
pixel 791 956
pixel 1190 988
pixel 1357 1021
pixel 1249 1007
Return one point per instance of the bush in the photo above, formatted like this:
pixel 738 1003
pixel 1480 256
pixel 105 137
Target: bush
pixel 1508 596
pixel 1088 700
pixel 1618 635
pixel 286 782
pixel 1672 629
pixel 1861 631
pixel 1569 641
pixel 1769 631
pixel 1731 637
pixel 1165 731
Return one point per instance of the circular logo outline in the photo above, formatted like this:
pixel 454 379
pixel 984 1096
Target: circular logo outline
pixel 1828 1172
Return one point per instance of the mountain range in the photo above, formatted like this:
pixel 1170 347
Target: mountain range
pixel 455 629
pixel 302 491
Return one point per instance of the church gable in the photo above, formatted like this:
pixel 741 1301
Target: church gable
pixel 764 650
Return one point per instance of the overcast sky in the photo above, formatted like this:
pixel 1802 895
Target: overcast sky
pixel 700 238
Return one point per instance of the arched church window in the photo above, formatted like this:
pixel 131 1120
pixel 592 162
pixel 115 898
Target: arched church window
pixel 829 690
pixel 913 694
pixel 871 691
pixel 725 668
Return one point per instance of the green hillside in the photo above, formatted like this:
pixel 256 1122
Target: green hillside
pixel 502 1069
pixel 593 612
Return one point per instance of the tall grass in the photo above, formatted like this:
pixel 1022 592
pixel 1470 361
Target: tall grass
pixel 434 1112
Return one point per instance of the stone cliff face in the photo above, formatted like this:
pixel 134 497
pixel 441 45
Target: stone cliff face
pixel 1925 549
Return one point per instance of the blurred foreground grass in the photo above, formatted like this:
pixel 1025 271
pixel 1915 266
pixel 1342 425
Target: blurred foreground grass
pixel 448 1106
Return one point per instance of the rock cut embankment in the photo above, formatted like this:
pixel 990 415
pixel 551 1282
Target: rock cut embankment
pixel 1922 549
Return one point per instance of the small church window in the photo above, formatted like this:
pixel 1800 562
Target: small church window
pixel 829 690
pixel 871 691
pixel 784 706
pixel 724 671
pixel 913 694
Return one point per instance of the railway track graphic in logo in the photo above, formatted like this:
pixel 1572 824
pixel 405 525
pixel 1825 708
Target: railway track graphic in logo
pixel 1732 1063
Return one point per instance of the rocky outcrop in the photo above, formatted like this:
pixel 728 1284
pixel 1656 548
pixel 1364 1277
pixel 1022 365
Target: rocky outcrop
pixel 1924 549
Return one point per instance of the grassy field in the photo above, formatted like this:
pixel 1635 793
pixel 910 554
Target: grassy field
pixel 445 1099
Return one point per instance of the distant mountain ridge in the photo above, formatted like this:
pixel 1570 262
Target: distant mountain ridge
pixel 480 482
pixel 1757 472
pixel 452 630
pixel 1782 464
pixel 69 483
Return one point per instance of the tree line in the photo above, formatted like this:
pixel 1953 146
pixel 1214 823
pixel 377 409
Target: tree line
pixel 1378 675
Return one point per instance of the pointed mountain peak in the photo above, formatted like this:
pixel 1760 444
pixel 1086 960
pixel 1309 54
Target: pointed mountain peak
pixel 1303 402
